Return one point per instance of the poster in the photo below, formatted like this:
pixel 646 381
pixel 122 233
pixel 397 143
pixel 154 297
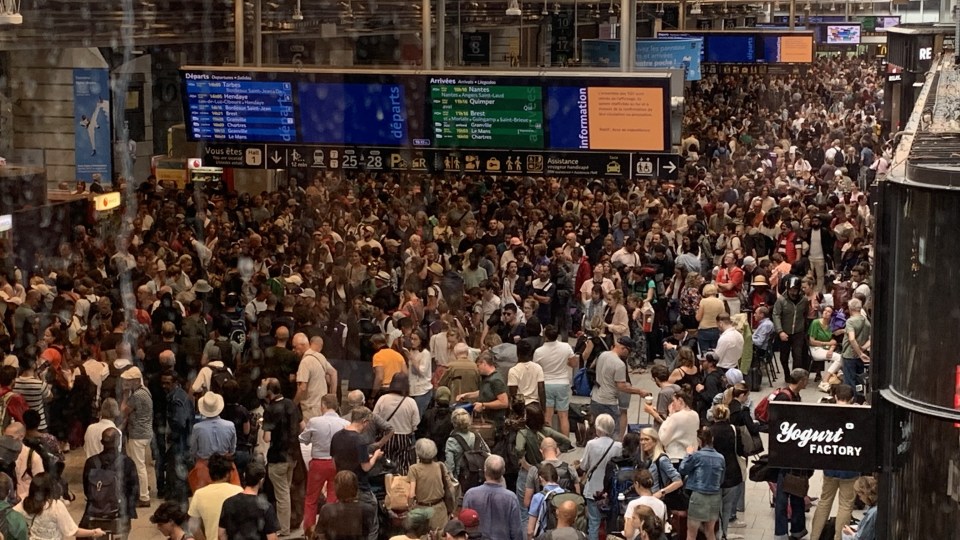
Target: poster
pixel 671 54
pixel 92 130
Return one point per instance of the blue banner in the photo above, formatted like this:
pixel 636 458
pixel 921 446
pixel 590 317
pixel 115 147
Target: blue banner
pixel 671 54
pixel 651 54
pixel 91 110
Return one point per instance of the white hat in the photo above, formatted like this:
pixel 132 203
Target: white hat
pixel 210 405
pixel 294 279
pixel 308 293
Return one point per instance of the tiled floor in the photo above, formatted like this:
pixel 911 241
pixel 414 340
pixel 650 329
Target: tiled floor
pixel 758 515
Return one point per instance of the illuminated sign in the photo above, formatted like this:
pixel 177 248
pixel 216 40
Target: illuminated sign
pixel 6 222
pixel 107 201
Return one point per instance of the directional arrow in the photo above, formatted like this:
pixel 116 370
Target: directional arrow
pixel 275 158
pixel 670 167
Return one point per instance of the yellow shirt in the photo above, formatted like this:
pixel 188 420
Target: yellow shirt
pixel 392 363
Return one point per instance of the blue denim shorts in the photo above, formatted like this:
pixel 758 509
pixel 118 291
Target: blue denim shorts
pixel 558 397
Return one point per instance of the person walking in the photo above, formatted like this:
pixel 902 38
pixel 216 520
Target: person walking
pixel 248 515
pixel 495 505
pixel 351 454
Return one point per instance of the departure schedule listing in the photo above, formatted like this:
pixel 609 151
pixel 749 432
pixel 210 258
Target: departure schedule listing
pixel 238 109
pixel 625 118
pixel 485 115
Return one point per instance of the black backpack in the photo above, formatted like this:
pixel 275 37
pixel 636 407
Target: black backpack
pixel 226 352
pixel 439 429
pixel 103 497
pixel 506 447
pixel 219 376
pixel 111 385
pixel 565 477
pixel 83 396
pixel 470 466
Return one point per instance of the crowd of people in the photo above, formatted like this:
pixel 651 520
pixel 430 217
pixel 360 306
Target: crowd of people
pixel 295 359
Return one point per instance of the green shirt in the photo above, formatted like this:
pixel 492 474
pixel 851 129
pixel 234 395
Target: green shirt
pixel 818 332
pixel 490 387
pixel 12 523
pixel 860 327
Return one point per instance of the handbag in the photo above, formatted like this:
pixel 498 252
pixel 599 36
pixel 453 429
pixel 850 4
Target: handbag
pixel 794 484
pixel 750 444
pixel 676 501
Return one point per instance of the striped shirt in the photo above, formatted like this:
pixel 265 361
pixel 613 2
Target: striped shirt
pixel 35 392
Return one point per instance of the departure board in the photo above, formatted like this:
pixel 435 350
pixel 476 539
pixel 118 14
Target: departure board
pixel 235 108
pixel 427 110
pixel 481 114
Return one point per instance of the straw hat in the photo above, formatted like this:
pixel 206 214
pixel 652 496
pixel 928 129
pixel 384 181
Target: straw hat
pixel 210 405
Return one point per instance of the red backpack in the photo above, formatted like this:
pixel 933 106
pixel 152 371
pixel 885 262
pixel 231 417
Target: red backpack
pixel 762 411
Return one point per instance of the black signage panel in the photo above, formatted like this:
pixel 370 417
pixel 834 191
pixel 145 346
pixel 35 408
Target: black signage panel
pixel 476 48
pixel 619 165
pixel 561 42
pixel 704 24
pixel 236 156
pixel 711 68
pixel 822 436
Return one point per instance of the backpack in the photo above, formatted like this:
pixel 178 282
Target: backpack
pixel 762 411
pixel 564 477
pixel 547 520
pixel 470 466
pixel 620 482
pixel 111 385
pixel 531 447
pixel 219 376
pixel 51 462
pixel 439 430
pixel 9 452
pixel 506 447
pixel 5 417
pixel 226 351
pixel 83 396
pixel 103 497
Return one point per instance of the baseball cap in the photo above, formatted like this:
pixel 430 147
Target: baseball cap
pixel 627 342
pixel 748 260
pixel 454 527
pixel 469 518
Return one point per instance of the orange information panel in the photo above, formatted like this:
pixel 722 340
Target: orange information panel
pixel 626 118
pixel 796 49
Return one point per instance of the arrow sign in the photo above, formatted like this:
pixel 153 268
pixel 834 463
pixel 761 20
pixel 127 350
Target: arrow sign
pixel 275 157
pixel 669 167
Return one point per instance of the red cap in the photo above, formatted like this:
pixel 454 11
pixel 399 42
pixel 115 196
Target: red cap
pixel 469 518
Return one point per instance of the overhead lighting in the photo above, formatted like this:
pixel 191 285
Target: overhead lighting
pixel 833 7
pixel 544 11
pixel 10 12
pixel 556 9
pixel 695 9
pixel 297 14
pixel 513 10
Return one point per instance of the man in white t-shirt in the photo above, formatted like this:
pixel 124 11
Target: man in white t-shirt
pixel 525 380
pixel 315 376
pixel 556 358
pixel 730 345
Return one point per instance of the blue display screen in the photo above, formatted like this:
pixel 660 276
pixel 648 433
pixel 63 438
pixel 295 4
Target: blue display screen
pixel 771 49
pixel 345 113
pixel 233 109
pixel 729 48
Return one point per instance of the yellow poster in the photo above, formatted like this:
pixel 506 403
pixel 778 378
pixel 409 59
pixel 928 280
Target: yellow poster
pixel 796 49
pixel 626 119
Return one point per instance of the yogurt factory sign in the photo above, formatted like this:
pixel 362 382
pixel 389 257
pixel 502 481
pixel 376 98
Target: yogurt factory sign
pixel 822 436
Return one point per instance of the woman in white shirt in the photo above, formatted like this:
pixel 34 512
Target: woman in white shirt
pixel 679 430
pixel 421 370
pixel 401 412
pixel 47 516
pixel 643 485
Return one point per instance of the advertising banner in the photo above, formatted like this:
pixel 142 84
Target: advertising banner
pixel 93 134
pixel 671 54
pixel 822 436
pixel 651 54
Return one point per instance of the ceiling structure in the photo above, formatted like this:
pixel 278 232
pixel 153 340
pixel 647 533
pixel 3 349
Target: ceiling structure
pixel 140 23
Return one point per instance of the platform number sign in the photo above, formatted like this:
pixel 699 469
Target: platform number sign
pixel 476 48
